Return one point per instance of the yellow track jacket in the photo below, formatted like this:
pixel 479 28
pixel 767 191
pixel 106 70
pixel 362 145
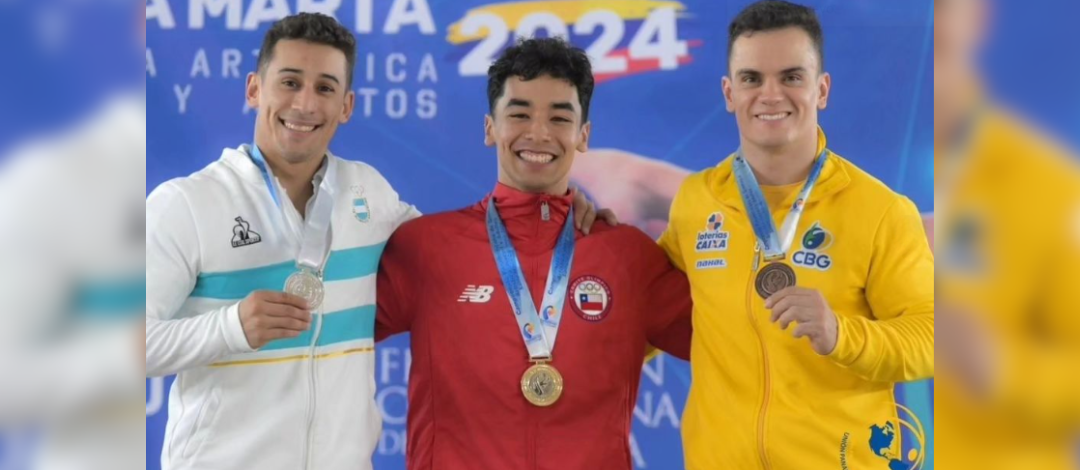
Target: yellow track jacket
pixel 761 399
pixel 1009 248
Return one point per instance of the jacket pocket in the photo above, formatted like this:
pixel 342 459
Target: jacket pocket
pixel 201 425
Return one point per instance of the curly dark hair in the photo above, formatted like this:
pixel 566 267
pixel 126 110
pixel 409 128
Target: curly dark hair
pixel 770 15
pixel 531 58
pixel 312 27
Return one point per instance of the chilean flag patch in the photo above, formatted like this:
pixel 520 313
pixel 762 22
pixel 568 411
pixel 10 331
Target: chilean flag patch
pixel 591 298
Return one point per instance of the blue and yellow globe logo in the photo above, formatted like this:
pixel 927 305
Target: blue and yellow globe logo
pixel 817 238
pixel 529 331
pixel 902 444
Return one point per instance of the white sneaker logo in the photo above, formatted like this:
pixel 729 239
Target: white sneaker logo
pixel 476 294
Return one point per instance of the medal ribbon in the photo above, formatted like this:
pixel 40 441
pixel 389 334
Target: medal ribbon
pixel 315 241
pixel 775 245
pixel 539 335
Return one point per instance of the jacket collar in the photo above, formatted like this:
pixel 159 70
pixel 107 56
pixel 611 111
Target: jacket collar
pixel 833 179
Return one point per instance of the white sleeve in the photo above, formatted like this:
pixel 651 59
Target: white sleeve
pixel 401 211
pixel 69 376
pixel 50 366
pixel 172 267
pixel 405 212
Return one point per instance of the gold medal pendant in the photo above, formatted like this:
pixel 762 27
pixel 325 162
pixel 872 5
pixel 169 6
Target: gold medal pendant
pixel 542 384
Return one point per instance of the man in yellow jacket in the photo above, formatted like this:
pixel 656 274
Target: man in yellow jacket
pixel 812 281
pixel 1008 240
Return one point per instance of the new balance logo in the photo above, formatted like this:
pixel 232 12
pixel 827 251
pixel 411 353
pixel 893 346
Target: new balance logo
pixel 476 294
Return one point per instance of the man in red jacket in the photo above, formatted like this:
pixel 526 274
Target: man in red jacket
pixel 487 290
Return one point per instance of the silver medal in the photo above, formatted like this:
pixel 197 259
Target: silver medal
pixel 305 284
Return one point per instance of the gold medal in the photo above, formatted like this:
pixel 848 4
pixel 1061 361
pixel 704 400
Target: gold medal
pixel 541 384
pixel 773 278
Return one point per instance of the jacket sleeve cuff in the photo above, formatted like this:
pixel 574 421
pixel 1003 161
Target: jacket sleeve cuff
pixel 234 331
pixel 850 341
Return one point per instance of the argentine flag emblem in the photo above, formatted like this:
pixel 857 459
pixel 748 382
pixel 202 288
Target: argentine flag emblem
pixel 361 209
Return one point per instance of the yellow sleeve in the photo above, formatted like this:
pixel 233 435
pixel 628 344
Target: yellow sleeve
pixel 897 344
pixel 1039 377
pixel 669 240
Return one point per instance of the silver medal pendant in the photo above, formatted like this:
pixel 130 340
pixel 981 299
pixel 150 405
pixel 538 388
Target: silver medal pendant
pixel 306 285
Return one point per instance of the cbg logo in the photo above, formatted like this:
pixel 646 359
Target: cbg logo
pixel 815 242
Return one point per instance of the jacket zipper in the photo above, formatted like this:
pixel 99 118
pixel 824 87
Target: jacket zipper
pixel 538 273
pixel 764 359
pixel 312 386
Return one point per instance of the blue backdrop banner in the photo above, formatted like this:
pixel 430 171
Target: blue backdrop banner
pixel 420 86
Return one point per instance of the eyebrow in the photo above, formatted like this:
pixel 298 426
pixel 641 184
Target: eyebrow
pixel 301 72
pixel 565 105
pixel 782 72
pixel 518 102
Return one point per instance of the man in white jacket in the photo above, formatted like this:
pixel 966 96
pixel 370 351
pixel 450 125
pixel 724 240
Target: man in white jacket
pixel 71 226
pixel 268 379
pixel 71 241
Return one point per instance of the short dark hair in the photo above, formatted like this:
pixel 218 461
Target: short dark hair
pixel 770 15
pixel 311 27
pixel 531 58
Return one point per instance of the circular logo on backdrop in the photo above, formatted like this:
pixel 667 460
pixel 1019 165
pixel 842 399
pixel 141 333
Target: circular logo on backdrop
pixel 592 298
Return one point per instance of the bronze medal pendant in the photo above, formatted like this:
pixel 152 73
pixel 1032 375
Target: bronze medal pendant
pixel 773 278
pixel 542 384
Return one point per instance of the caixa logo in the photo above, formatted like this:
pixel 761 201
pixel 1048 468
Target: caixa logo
pixel 815 242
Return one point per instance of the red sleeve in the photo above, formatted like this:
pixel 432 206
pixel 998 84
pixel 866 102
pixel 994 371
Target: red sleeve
pixel 394 312
pixel 666 298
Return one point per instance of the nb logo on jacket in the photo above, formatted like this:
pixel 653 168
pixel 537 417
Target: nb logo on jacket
pixel 476 294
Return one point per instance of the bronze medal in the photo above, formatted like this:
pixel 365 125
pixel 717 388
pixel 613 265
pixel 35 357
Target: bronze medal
pixel 773 278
